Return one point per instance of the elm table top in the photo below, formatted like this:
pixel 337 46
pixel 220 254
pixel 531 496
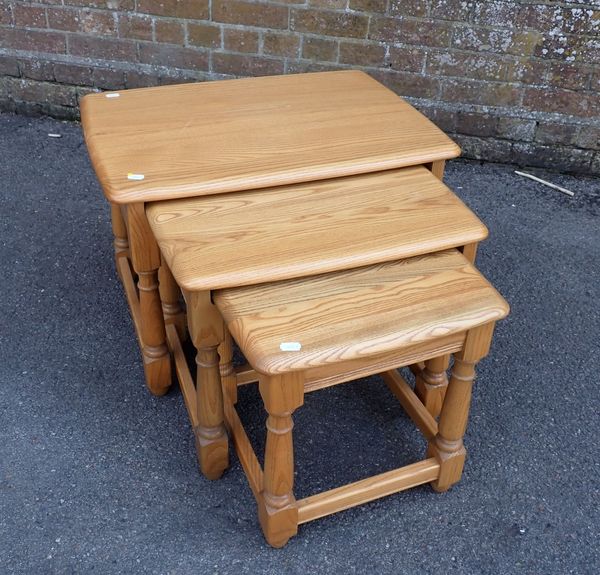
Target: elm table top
pixel 356 313
pixel 304 229
pixel 213 137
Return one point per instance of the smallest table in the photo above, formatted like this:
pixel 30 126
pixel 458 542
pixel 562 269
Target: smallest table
pixel 392 313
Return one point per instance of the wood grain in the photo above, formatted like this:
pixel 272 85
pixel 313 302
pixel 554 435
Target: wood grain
pixel 208 138
pixel 362 312
pixel 366 490
pixel 305 229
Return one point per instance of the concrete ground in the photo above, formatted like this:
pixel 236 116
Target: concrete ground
pixel 98 476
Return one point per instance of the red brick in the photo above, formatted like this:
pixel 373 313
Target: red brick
pixel 559 158
pixel 536 16
pixel 321 49
pixel 205 35
pixel 474 124
pixel 362 54
pixel 462 64
pixel 63 19
pixel 561 47
pixel 179 78
pixel 250 14
pixel 563 20
pixel 141 79
pixel 9 66
pixel 97 23
pixel 483 93
pixel 331 4
pixel 191 9
pixel 72 74
pixel 108 79
pixel 522 43
pixel 37 70
pixel 138 27
pixel 583 104
pixel 418 32
pixel 516 128
pixel 245 65
pixel 556 134
pixel 175 56
pixel 405 84
pixel 29 16
pixel 444 119
pixel 378 6
pixel 581 21
pixel 456 10
pixel 417 8
pixel 5 14
pixel 385 29
pixel 169 31
pixel 102 48
pixel 33 40
pixel 571 76
pixel 303 66
pixel 236 40
pixel 590 48
pixel 558 74
pixel 484 149
pixel 495 14
pixel 45 92
pixel 406 59
pixel 123 5
pixel 588 137
pixel 281 44
pixel 348 25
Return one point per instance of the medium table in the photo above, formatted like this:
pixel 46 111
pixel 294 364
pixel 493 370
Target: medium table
pixel 290 232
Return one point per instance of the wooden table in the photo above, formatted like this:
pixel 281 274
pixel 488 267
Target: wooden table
pixel 213 138
pixel 306 229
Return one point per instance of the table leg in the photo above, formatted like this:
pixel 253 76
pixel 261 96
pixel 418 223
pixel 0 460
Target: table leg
pixel 121 243
pixel 431 383
pixel 169 295
pixel 447 446
pixel 207 332
pixel 277 508
pixel 145 257
pixel 228 375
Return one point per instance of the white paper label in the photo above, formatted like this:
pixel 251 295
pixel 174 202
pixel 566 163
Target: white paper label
pixel 290 346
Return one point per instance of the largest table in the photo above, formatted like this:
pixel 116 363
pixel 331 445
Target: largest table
pixel 202 139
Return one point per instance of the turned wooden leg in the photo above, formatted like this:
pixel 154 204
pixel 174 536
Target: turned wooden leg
pixel 228 377
pixel 277 508
pixel 146 261
pixel 447 446
pixel 431 383
pixel 171 306
pixel 206 332
pixel 120 242
pixel 211 437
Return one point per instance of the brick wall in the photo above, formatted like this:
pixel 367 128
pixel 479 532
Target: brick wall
pixel 510 80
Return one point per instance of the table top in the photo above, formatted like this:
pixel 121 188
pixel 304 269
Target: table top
pixel 308 323
pixel 213 137
pixel 245 238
